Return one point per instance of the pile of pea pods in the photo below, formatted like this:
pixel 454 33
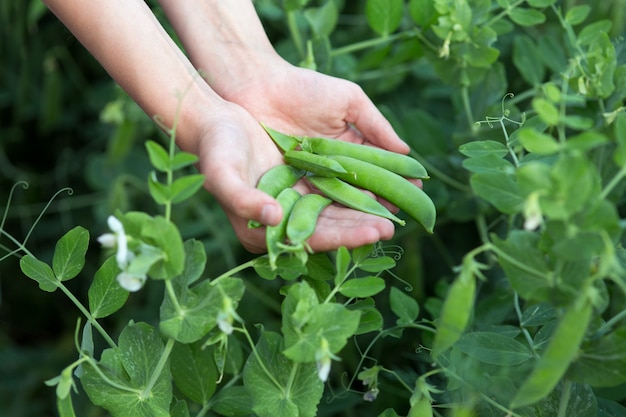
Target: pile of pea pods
pixel 340 171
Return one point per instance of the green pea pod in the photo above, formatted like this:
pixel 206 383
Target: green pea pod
pixel 456 311
pixel 390 186
pixel 275 235
pixel 278 178
pixel 274 181
pixel 316 164
pixel 401 164
pixel 352 197
pixel 303 218
pixel 283 141
pixel 422 408
pixel 556 358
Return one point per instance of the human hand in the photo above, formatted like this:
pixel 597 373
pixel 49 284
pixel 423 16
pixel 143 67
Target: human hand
pixel 234 152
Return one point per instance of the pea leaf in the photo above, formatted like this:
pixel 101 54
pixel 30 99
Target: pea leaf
pixel 538 315
pixel 184 187
pixel 541 3
pixel 234 401
pixel 39 271
pixel 362 287
pixel 483 147
pixel 194 371
pixel 105 294
pixel 278 386
pixel 183 159
pixel 577 14
pixel 198 308
pixel 527 59
pixel 371 319
pixel 493 348
pixel 164 234
pixel 342 262
pixel 538 142
pixel 377 264
pixel 602 362
pixel 526 17
pixel 322 19
pixel 489 163
pixel 422 12
pixel 384 16
pixel 403 306
pixel 69 253
pixel 131 365
pixel 159 158
pixel 500 190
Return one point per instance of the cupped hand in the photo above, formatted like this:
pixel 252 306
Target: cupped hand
pixel 234 151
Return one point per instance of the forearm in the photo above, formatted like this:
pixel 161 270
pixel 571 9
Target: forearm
pixel 224 39
pixel 125 37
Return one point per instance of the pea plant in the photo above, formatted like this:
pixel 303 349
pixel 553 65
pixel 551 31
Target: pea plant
pixel 516 110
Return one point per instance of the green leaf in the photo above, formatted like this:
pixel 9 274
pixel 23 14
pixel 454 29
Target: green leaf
pixel 194 371
pixel 586 141
pixel 500 190
pixel 619 130
pixel 323 19
pixel 105 294
pixel 69 253
pixel 422 12
pixel 384 16
pixel 195 314
pixel 377 264
pixel 527 60
pixel 527 17
pixel 362 287
pixel 131 366
pixel 331 321
pixel 232 401
pixel 183 160
pixel 39 271
pixel 371 319
pixel 342 262
pixel 184 187
pixel 524 265
pixel 279 387
pixel 159 192
pixel 164 234
pixel 538 315
pixel 538 142
pixel 602 361
pixel 484 147
pixel 541 3
pixel 546 111
pixel 493 348
pixel 489 163
pixel 593 31
pixel 159 158
pixel 404 306
pixel 577 14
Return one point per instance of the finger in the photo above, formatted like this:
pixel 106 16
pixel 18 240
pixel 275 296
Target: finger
pixel 374 127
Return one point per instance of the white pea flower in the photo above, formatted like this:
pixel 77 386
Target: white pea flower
pixel 227 316
pixel 131 282
pixel 117 239
pixel 532 213
pixel 324 359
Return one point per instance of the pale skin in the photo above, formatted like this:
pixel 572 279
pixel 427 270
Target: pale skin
pixel 243 82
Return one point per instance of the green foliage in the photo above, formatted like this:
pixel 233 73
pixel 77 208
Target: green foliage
pixel 515 306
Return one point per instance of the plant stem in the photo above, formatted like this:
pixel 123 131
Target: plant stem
pixel 234 270
pixel 172 295
pixel 613 183
pixel 87 314
pixel 565 395
pixel 295 32
pixel 158 369
pixel 258 357
pixel 370 43
pixel 467 106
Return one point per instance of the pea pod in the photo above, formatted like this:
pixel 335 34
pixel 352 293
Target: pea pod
pixel 352 197
pixel 317 164
pixel 401 164
pixel 390 186
pixel 274 181
pixel 561 351
pixel 283 141
pixel 303 218
pixel 422 408
pixel 278 178
pixel 275 235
